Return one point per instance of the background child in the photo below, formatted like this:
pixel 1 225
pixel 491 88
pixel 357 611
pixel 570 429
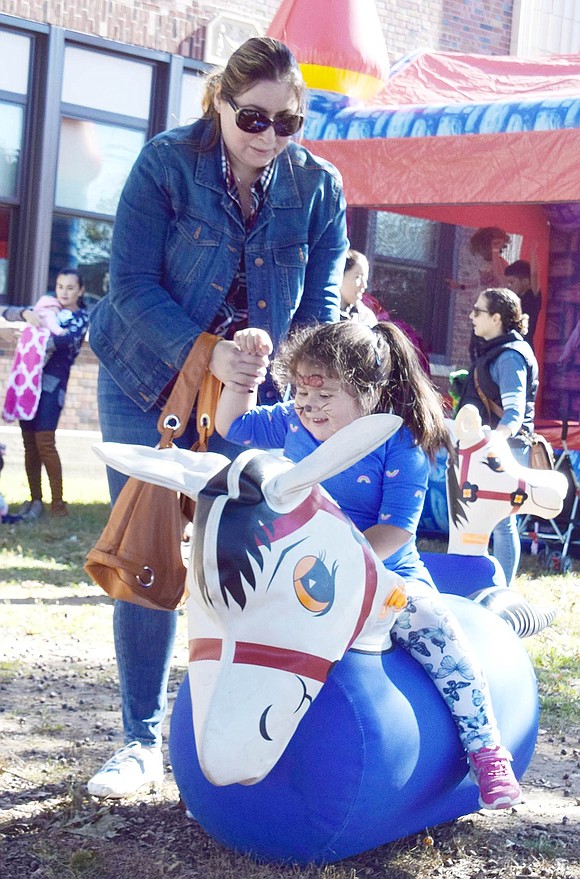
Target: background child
pixel 340 372
pixel 37 384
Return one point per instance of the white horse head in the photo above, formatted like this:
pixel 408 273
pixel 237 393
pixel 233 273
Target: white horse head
pixel 281 584
pixel 485 484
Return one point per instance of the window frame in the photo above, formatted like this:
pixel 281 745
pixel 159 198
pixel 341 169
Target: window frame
pixel 362 233
pixel 33 209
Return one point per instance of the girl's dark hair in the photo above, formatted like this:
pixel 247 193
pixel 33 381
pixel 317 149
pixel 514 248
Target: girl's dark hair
pixel 480 241
pixel 378 366
pixel 259 58
pixel 70 271
pixel 353 257
pixel 508 305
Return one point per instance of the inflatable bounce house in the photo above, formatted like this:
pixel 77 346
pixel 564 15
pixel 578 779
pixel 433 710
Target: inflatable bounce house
pixel 301 734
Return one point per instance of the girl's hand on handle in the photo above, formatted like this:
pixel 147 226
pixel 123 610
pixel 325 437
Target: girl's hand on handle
pixel 239 370
pixel 254 341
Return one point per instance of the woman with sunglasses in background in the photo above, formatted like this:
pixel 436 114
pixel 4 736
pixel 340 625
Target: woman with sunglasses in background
pixel 222 224
pixel 503 383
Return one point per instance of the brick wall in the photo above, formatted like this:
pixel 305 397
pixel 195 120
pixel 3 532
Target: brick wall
pixel 80 410
pixel 476 26
pixel 178 26
pixel 479 26
pixel 562 380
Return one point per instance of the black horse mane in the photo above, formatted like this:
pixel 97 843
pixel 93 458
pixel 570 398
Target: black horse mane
pixel 245 528
pixel 457 508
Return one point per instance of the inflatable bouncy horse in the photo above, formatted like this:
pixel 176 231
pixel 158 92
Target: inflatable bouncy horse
pixel 301 734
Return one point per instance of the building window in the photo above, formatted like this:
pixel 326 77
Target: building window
pixel 11 130
pixel 192 89
pixel 15 54
pixel 4 238
pixel 94 161
pixel 15 50
pixel 411 260
pixel 104 125
pixel 106 82
pixel 86 245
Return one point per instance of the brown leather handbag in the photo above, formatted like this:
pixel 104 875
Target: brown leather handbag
pixel 138 556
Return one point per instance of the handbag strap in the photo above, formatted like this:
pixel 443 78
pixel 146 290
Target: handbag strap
pixel 207 401
pixel 194 373
pixel 489 404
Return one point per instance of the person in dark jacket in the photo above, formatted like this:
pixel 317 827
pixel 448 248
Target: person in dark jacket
pixel 522 277
pixel 503 383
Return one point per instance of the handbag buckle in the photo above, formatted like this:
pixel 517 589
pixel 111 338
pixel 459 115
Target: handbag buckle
pixel 146 584
pixel 173 422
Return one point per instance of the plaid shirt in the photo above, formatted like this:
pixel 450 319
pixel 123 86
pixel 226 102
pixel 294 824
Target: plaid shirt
pixel 233 313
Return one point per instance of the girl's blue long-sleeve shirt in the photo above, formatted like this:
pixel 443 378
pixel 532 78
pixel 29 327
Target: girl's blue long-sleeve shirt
pixel 386 487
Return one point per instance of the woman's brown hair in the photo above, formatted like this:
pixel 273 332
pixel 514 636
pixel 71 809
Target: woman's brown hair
pixel 508 305
pixel 259 58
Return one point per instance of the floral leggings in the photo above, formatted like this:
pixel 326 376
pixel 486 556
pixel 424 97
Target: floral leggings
pixel 432 635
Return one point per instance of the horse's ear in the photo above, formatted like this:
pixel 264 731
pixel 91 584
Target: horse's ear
pixel 468 427
pixel 178 469
pixel 341 450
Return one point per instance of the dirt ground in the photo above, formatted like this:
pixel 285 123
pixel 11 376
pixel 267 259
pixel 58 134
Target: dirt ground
pixel 59 720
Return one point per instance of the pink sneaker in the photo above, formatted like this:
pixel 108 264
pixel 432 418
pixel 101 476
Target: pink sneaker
pixel 491 770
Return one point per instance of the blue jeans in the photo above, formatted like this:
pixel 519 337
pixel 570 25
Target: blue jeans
pixel 48 412
pixel 144 638
pixel 506 541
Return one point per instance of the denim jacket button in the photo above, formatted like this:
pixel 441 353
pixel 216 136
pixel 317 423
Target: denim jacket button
pixel 261 303
pixel 258 261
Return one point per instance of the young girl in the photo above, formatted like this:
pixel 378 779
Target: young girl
pixel 37 384
pixel 354 284
pixel 340 372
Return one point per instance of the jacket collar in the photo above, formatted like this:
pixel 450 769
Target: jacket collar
pixel 512 336
pixel 282 191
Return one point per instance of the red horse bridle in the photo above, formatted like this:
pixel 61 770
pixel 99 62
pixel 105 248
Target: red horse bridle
pixel 295 661
pixel 471 492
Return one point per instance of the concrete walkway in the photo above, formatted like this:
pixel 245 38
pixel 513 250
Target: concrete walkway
pixel 74 447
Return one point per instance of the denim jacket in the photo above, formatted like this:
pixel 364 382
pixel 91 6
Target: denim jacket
pixel 177 243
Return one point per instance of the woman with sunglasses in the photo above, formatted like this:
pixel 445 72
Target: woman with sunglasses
pixel 222 224
pixel 503 383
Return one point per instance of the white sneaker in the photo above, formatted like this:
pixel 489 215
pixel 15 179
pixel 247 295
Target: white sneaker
pixel 129 769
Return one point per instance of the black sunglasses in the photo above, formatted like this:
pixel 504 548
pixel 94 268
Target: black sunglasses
pixel 254 122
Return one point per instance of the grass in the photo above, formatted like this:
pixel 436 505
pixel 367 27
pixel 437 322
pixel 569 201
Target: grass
pixel 53 552
pixel 66 834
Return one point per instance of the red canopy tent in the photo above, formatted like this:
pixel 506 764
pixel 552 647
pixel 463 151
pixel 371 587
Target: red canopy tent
pixel 470 140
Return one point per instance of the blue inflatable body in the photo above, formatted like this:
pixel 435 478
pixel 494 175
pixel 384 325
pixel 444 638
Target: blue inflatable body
pixel 376 757
pixel 360 752
pixel 463 574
